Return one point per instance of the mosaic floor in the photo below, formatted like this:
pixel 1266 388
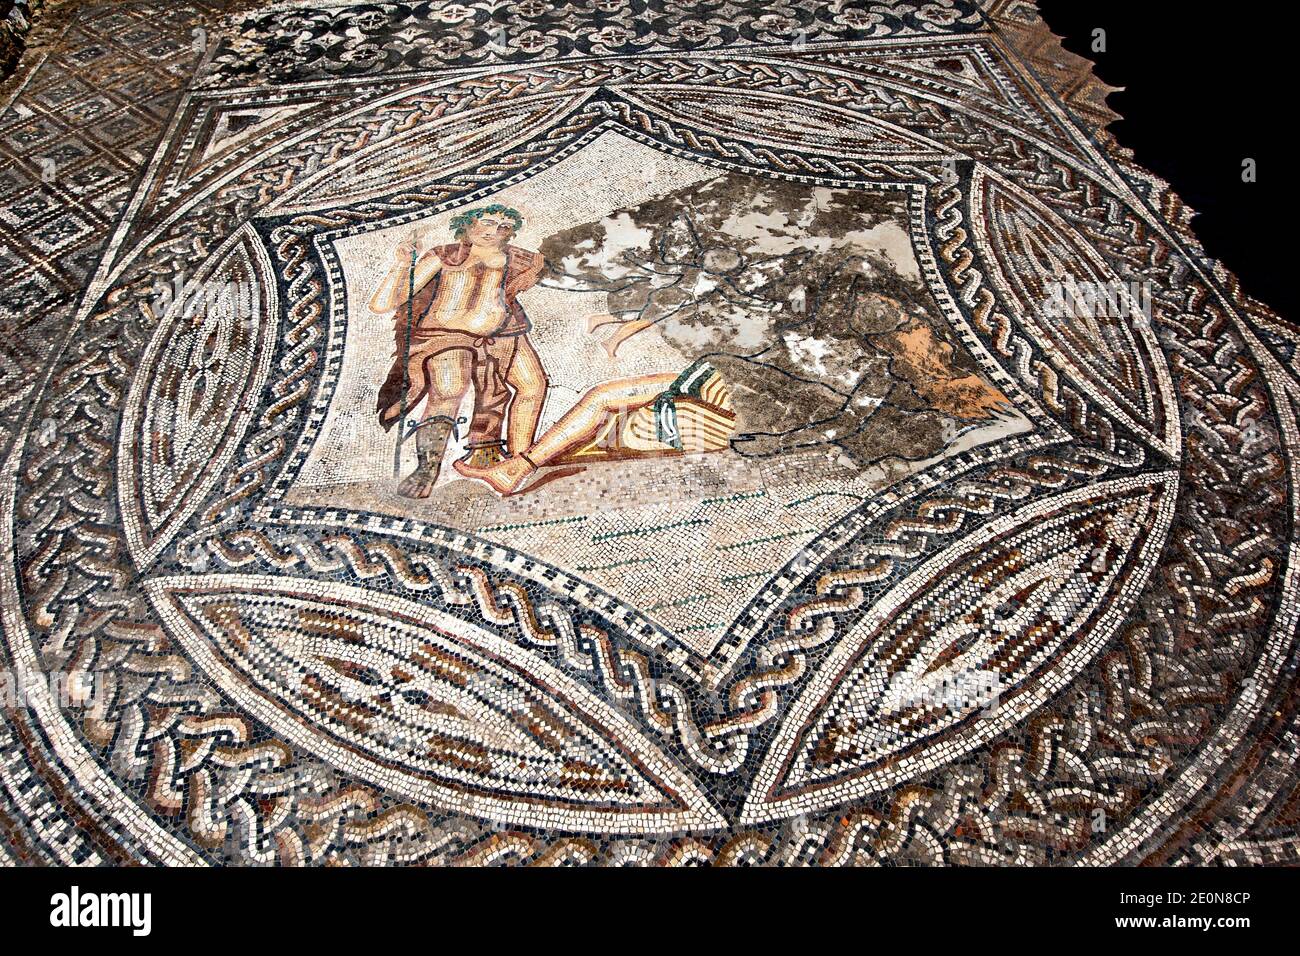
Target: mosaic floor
pixel 622 432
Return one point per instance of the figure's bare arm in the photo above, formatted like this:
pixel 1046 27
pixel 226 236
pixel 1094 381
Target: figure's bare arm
pixel 529 277
pixel 395 287
pixel 631 322
pixel 625 332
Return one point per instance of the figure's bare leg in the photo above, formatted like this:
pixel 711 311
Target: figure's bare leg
pixel 449 380
pixel 430 444
pixel 528 378
pixel 578 426
pixel 600 318
pixel 628 330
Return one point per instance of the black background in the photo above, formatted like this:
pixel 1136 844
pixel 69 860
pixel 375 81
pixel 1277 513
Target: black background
pixel 929 912
pixel 1206 85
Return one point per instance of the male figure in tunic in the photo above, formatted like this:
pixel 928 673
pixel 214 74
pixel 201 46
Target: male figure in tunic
pixel 466 328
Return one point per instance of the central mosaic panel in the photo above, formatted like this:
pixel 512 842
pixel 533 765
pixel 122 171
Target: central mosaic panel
pixel 693 373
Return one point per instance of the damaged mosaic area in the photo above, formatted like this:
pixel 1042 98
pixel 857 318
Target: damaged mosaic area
pixel 611 433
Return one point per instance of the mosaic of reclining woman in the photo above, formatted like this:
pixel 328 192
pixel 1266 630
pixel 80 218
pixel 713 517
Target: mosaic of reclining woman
pixel 644 416
pixel 896 389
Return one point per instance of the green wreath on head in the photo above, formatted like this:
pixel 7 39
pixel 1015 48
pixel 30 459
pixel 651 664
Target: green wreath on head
pixel 460 223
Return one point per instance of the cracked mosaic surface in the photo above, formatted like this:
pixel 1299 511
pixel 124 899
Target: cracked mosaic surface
pixel 623 432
